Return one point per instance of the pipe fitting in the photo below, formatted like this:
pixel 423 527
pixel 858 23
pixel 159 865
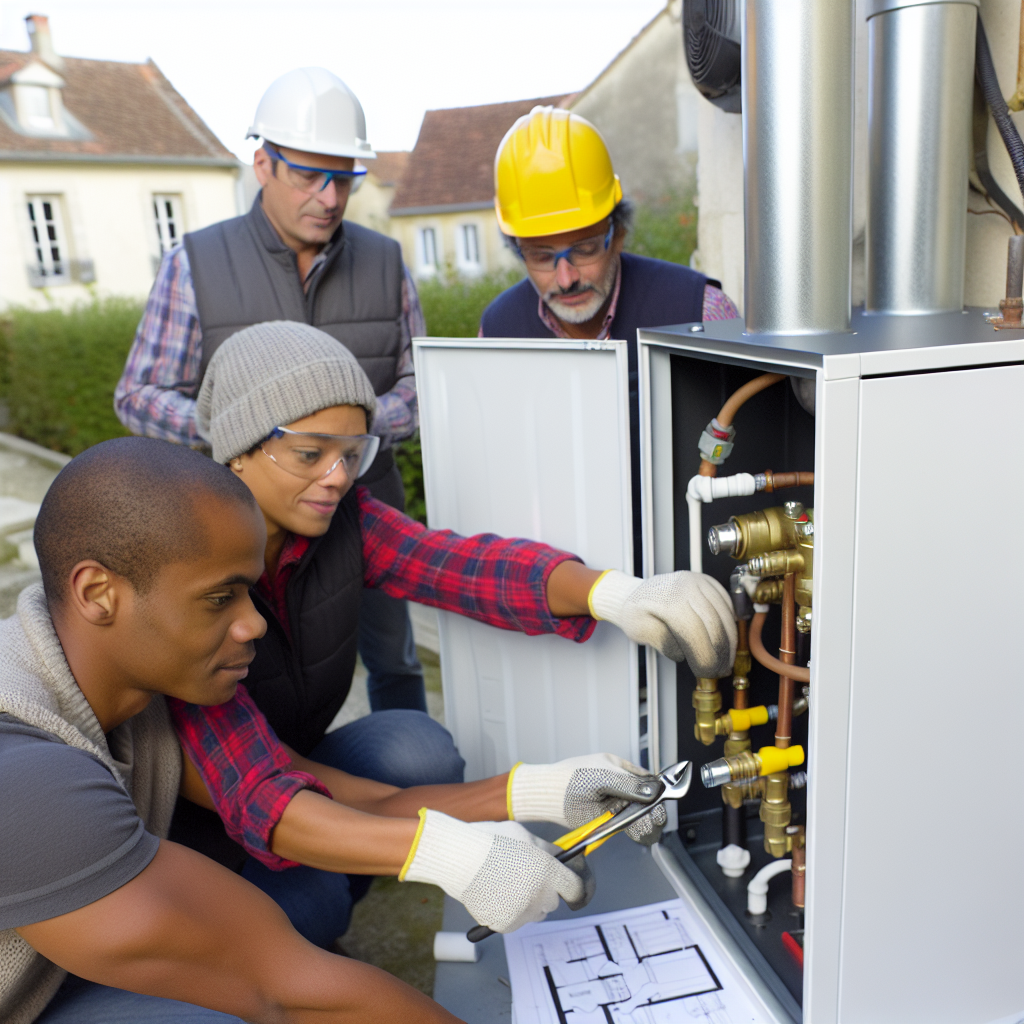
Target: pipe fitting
pixel 776 813
pixel 748 765
pixel 707 703
pixel 757 887
pixel 776 563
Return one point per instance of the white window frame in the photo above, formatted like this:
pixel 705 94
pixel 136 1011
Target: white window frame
pixel 467 244
pixel 37 108
pixel 428 249
pixel 169 223
pixel 45 235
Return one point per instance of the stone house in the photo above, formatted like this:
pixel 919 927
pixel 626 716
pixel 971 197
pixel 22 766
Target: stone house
pixel 443 209
pixel 103 166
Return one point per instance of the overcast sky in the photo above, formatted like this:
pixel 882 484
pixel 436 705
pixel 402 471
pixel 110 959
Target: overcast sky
pixel 400 57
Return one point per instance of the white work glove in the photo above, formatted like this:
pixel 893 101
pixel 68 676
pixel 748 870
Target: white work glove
pixel 580 789
pixel 687 616
pixel 502 874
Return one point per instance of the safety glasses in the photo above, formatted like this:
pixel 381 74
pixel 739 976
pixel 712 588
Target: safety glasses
pixel 309 179
pixel 315 456
pixel 580 254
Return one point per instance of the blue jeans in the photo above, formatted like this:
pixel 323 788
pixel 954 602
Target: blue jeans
pixel 401 748
pixel 388 650
pixel 84 1002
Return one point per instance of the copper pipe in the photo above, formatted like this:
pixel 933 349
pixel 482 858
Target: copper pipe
pixel 731 407
pixel 787 655
pixel 739 697
pixel 757 649
pixel 776 481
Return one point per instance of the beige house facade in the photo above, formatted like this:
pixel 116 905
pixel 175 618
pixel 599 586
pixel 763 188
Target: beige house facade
pixel 647 108
pixel 103 167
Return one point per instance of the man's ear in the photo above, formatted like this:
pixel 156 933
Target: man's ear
pixel 94 592
pixel 263 166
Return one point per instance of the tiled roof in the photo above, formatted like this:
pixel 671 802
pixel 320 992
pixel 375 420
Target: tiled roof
pixel 389 167
pixel 453 161
pixel 130 110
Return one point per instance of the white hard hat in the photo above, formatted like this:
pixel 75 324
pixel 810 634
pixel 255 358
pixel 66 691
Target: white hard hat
pixel 312 110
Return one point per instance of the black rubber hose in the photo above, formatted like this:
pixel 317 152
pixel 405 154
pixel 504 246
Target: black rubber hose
pixel 734 826
pixel 986 74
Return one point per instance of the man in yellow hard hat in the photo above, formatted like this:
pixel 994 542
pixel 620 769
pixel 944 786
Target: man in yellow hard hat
pixel 560 205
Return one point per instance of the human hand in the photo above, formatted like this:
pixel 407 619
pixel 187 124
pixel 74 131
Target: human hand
pixel 504 875
pixel 579 789
pixel 687 616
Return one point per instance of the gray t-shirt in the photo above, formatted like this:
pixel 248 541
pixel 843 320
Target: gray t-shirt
pixel 69 834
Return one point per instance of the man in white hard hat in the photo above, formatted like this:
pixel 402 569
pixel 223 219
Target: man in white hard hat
pixel 292 258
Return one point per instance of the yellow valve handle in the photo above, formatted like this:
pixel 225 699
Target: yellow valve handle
pixel 775 759
pixel 743 718
pixel 573 837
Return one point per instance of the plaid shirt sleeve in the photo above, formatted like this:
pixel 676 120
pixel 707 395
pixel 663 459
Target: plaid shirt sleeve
pixel 487 578
pixel 246 770
pixel 156 394
pixel 398 409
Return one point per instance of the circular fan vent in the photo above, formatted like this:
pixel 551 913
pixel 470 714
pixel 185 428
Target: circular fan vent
pixel 711 38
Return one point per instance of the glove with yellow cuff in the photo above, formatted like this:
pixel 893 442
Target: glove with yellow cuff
pixel 687 616
pixel 503 875
pixel 579 789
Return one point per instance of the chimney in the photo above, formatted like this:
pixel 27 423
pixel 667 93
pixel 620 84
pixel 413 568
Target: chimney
pixel 38 26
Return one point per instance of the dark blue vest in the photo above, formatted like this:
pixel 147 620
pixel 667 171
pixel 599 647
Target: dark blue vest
pixel 653 293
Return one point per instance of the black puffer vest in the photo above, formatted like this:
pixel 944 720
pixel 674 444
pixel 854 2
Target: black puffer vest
pixel 299 684
pixel 243 274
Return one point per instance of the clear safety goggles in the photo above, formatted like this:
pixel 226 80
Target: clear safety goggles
pixel 310 179
pixel 579 254
pixel 314 456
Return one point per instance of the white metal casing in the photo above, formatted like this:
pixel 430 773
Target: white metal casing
pixel 530 439
pixel 917 615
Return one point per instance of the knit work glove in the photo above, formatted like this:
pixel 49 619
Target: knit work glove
pixel 579 789
pixel 687 616
pixel 503 875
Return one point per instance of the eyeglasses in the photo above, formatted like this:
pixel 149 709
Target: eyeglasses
pixel 314 456
pixel 579 254
pixel 308 179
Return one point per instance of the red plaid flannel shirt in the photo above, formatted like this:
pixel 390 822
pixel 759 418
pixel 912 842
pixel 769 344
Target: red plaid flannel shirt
pixel 502 582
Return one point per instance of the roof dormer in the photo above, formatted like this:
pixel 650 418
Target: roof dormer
pixel 36 95
pixel 31 97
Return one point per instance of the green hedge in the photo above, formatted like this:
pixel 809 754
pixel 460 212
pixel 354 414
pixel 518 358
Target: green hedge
pixel 58 371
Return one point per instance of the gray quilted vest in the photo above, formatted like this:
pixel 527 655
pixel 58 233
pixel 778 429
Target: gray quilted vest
pixel 243 274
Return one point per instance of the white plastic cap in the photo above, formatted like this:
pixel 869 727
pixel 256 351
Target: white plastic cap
pixel 733 860
pixel 313 110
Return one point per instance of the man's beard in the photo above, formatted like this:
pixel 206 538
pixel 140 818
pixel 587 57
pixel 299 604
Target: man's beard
pixel 599 294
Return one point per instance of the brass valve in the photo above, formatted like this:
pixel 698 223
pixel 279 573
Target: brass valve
pixel 755 533
pixel 748 765
pixel 707 702
pixel 777 813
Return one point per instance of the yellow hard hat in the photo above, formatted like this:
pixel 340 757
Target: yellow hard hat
pixel 553 174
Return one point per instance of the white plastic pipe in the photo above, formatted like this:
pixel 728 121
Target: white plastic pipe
pixel 757 888
pixel 703 490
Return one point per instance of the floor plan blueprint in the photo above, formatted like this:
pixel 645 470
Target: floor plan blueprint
pixel 647 965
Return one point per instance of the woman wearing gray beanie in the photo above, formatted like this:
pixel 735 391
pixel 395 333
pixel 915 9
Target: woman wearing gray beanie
pixel 286 407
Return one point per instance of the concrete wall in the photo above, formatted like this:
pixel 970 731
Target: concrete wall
pixel 107 212
pixel 720 178
pixel 646 107
pixel 493 253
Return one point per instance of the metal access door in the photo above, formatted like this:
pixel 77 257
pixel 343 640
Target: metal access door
pixel 530 439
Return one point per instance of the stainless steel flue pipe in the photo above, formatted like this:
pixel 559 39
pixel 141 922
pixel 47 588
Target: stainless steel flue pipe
pixel 920 74
pixel 798 164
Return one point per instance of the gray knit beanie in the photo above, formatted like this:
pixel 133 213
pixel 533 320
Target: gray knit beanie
pixel 270 375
